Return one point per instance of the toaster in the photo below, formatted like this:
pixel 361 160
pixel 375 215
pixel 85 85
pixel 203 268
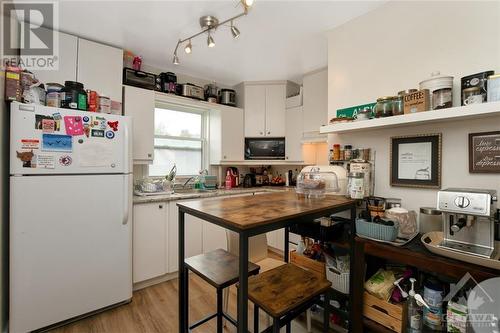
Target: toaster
pixel 191 90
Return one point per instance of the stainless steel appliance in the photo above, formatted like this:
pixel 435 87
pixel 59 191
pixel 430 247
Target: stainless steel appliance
pixel 264 148
pixel 191 90
pixel 468 220
pixel 227 97
pixel 168 81
pixel 211 92
pixel 141 79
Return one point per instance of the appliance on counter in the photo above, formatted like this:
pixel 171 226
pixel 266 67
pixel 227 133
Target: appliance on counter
pixel 140 79
pixel 334 176
pixel 227 97
pixel 190 90
pixel 168 82
pixel 264 148
pixel 211 92
pixel 249 180
pixel 70 214
pixel 468 220
pixel 234 177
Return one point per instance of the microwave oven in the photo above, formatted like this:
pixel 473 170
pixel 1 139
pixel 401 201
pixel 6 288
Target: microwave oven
pixel 264 148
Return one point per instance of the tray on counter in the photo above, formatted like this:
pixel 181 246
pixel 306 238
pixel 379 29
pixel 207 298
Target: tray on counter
pixel 398 242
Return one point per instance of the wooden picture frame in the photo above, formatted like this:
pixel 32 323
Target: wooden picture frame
pixel 416 161
pixel 484 152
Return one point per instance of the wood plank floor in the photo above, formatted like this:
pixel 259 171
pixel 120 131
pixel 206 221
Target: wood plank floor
pixel 155 309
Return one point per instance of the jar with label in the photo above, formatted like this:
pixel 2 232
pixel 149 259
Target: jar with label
pixel 433 296
pixel 54 94
pixel 355 185
pixel 348 152
pixel 73 96
pixel 336 152
pixel 384 107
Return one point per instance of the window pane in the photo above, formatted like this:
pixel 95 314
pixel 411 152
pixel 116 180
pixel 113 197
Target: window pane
pixel 177 144
pixel 188 162
pixel 177 123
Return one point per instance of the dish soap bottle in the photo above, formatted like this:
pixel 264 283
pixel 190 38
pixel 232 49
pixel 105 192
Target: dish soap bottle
pixel 415 303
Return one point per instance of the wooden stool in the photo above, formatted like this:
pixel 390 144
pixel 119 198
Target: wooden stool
pixel 284 293
pixel 220 269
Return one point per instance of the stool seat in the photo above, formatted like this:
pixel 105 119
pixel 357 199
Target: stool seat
pixel 285 288
pixel 219 268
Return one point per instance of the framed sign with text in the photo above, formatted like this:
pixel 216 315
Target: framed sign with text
pixel 484 152
pixel 416 161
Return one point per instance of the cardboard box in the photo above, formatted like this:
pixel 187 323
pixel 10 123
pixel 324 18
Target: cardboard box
pixel 417 102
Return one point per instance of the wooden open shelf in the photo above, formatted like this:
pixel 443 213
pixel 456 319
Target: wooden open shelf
pixel 435 116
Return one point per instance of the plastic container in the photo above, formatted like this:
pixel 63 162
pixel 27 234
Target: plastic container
pixel 433 296
pixel 73 96
pixel 376 230
pixel 104 104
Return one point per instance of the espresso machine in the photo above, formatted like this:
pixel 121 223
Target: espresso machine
pixel 468 220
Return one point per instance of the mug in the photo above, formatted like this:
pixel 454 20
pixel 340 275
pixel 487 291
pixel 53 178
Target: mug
pixel 474 99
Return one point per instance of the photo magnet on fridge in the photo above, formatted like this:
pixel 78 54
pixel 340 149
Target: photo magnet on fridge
pixel 28 158
pixel 55 142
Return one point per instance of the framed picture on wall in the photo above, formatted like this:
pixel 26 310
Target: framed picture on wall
pixel 416 161
pixel 484 152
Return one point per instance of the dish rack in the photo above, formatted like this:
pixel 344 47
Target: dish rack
pixel 150 186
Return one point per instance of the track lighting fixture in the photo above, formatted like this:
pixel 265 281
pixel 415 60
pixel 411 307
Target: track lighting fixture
pixel 208 25
pixel 210 41
pixel 234 31
pixel 188 47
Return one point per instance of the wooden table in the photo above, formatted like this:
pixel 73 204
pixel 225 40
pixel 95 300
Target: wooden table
pixel 249 216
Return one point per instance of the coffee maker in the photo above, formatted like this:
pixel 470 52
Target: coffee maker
pixel 468 220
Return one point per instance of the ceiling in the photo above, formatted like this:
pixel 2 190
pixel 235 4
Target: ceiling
pixel 279 39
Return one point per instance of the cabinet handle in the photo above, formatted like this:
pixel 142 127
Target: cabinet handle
pixel 150 155
pixel 160 206
pixel 225 156
pixel 287 157
pixel 261 133
pixel 269 132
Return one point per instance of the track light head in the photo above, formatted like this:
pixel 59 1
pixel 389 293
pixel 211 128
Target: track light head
pixel 175 60
pixel 210 40
pixel 189 48
pixel 247 3
pixel 234 31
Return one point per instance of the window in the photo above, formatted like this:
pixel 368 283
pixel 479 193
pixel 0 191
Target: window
pixel 179 139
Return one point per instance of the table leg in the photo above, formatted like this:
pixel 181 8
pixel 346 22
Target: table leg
pixel 183 295
pixel 357 278
pixel 243 287
pixel 287 245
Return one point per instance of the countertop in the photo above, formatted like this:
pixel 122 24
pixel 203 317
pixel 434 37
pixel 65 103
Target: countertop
pixel 208 194
pixel 247 212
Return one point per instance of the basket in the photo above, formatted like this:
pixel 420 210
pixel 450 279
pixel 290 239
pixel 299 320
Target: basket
pixel 377 231
pixel 340 281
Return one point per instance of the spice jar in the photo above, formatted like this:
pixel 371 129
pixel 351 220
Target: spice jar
pixel 348 152
pixel 336 152
pixel 384 107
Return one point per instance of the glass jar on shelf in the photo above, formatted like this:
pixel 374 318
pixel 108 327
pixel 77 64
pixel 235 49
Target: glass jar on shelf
pixel 384 107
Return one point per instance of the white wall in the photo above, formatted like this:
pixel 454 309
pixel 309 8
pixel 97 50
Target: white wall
pixel 394 48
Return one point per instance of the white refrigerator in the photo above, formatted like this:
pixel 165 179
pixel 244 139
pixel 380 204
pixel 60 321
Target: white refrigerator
pixel 70 214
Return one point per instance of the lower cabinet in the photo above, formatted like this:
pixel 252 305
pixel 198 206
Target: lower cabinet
pixel 149 243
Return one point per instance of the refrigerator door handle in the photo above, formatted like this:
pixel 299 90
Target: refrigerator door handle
pixel 126 193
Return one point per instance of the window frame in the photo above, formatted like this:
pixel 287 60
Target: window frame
pixel 160 104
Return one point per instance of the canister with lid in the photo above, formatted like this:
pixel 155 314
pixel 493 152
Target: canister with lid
pixel 355 185
pixel 430 220
pixel 73 96
pixel 384 107
pixel 441 90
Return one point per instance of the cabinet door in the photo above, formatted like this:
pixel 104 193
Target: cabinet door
pixel 315 101
pixel 193 236
pixel 68 48
pixel 149 241
pixel 233 141
pixel 140 105
pixel 100 68
pixel 293 137
pixel 255 110
pixel 275 110
pixel 214 237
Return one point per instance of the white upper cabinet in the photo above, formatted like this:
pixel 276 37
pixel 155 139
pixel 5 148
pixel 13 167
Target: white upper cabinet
pixel 293 137
pixel 68 53
pixel 226 135
pixel 264 104
pixel 140 105
pixel 315 100
pixel 100 68
pixel 275 110
pixel 255 110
